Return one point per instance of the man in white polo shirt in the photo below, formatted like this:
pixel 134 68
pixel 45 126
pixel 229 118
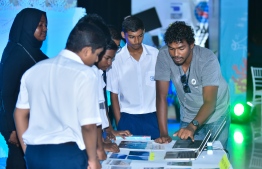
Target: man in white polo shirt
pixel 60 96
pixel 132 84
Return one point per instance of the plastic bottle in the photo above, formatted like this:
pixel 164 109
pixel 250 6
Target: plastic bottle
pixel 209 148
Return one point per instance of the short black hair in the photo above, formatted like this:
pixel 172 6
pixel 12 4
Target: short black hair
pixel 115 33
pixel 179 31
pixel 98 21
pixel 85 35
pixel 132 23
pixel 109 46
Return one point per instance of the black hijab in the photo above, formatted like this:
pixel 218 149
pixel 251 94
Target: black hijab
pixel 17 57
pixel 22 32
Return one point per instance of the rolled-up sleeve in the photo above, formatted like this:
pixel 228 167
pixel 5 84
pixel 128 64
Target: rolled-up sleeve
pixel 112 80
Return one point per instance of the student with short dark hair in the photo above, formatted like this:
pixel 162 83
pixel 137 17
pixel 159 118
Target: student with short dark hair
pixel 115 34
pixel 104 62
pixel 98 21
pixel 131 82
pixel 60 96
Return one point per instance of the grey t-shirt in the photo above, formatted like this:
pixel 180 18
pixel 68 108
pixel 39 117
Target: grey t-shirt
pixel 204 71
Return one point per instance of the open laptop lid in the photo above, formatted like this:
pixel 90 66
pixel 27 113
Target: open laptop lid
pixel 204 142
pixel 219 130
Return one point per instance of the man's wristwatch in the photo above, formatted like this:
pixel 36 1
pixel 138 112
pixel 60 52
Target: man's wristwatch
pixel 195 123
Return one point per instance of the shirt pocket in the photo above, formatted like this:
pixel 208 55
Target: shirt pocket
pixel 150 78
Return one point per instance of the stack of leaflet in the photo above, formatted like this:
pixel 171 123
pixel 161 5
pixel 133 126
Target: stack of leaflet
pixel 134 138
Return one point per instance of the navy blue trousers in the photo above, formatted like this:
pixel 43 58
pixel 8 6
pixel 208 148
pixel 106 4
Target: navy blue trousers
pixel 55 156
pixel 140 124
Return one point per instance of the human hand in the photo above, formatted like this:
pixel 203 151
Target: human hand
pixel 185 133
pixel 101 154
pixel 110 135
pixel 163 139
pixel 107 140
pixel 122 133
pixel 111 147
pixel 13 139
pixel 94 164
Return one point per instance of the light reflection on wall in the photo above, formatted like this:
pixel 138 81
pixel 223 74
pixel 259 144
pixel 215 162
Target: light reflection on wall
pixel 60 23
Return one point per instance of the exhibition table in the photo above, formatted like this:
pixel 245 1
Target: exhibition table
pixel 152 156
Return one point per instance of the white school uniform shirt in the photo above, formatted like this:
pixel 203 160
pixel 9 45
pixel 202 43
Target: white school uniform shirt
pixel 101 97
pixel 61 94
pixel 134 80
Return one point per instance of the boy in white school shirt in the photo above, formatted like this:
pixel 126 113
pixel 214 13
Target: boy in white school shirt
pixel 103 64
pixel 100 67
pixel 57 108
pixel 131 82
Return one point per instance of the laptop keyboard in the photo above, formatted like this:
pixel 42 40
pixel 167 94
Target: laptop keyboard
pixel 186 154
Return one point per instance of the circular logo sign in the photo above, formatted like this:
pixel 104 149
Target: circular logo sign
pixel 201 12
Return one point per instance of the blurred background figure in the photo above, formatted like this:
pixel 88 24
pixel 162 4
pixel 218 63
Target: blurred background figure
pixel 115 34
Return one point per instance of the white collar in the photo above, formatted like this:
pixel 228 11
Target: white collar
pixel 71 55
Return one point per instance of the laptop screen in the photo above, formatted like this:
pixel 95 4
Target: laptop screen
pixel 204 142
pixel 218 130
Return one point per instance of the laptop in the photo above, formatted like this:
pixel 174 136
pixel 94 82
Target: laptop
pixel 182 155
pixel 218 131
pixel 190 145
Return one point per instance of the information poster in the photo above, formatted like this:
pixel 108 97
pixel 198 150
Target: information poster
pixel 193 12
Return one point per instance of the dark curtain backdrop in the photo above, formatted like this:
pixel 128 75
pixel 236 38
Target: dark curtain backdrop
pixel 254 41
pixel 113 11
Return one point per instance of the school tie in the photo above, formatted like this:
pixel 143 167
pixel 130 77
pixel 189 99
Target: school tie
pixel 104 77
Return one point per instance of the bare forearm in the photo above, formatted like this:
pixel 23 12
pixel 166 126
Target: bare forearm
pixel 89 133
pixel 204 112
pixel 116 107
pixel 101 154
pixel 110 128
pixel 21 117
pixel 161 106
pixel 99 137
pixel 209 97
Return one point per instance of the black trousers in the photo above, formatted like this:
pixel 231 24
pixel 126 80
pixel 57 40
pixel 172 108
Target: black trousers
pixel 15 159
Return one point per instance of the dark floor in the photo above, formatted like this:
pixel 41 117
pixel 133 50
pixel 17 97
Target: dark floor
pixel 245 152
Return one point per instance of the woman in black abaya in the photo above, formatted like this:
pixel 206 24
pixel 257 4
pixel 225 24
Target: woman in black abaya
pixel 22 51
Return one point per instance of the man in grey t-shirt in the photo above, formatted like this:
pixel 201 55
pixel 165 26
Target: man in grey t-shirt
pixel 202 91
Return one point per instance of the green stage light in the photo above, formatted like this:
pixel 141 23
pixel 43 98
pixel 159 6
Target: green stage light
pixel 239 109
pixel 238 137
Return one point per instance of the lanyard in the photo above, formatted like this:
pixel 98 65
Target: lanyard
pixel 27 52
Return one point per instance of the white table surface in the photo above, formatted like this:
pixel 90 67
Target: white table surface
pixel 203 160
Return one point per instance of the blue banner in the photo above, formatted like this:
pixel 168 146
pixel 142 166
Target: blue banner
pixel 233 47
